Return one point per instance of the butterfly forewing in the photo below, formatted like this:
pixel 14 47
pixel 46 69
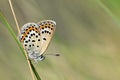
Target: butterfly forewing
pixel 47 28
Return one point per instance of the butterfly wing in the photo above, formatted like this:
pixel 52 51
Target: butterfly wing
pixel 30 36
pixel 47 28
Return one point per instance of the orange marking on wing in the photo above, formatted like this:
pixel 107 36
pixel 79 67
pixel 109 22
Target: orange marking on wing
pixel 36 30
pixel 42 27
pixel 22 39
pixel 27 32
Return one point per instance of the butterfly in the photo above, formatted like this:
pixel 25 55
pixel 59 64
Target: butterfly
pixel 36 37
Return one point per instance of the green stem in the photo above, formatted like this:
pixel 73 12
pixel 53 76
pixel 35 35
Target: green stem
pixel 4 21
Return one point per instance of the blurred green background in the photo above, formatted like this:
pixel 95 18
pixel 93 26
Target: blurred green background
pixel 87 36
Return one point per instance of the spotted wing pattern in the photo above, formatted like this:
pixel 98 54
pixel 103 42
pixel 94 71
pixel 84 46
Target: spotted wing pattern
pixel 36 37
pixel 30 36
pixel 47 28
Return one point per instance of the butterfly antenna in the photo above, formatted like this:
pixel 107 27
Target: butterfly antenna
pixel 56 54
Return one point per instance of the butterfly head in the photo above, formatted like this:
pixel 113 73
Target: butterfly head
pixel 41 57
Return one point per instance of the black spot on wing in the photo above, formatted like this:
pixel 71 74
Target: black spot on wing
pixel 36 36
pixel 29 45
pixel 37 46
pixel 42 32
pixel 33 33
pixel 38 39
pixel 33 40
pixel 49 32
pixel 32 44
pixel 44 39
pixel 29 40
pixel 39 34
pixel 26 41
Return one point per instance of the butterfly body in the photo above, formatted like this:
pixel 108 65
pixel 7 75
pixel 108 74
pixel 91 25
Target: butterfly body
pixel 36 38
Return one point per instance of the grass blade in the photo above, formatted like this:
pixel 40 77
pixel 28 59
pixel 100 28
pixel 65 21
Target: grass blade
pixel 7 25
pixel 4 21
pixel 34 70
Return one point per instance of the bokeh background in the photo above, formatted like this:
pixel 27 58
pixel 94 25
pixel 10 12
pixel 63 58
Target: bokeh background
pixel 87 37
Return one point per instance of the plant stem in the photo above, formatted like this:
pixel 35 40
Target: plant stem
pixel 28 61
pixel 16 22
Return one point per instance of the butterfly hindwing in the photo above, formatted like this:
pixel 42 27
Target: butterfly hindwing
pixel 30 37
